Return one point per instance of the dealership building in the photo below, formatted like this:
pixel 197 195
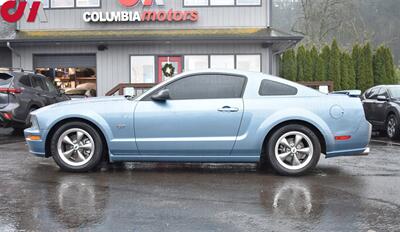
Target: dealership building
pixel 143 42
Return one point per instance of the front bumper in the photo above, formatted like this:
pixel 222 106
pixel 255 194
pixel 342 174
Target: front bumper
pixel 36 147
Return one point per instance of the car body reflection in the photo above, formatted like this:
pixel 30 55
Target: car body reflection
pixel 78 201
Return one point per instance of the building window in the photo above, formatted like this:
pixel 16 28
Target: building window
pixel 222 2
pixel 62 3
pixel 193 63
pixel 248 63
pixel 222 61
pixel 142 69
pixel 45 3
pixel 195 2
pixel 87 3
pixel 248 2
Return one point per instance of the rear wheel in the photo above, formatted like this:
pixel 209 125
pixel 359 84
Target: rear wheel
pixel 77 147
pixel 392 127
pixel 293 150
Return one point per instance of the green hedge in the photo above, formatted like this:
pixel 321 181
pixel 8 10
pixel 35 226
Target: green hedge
pixel 360 68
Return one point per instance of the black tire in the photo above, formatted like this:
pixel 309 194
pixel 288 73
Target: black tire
pixel 98 147
pixel 392 127
pixel 310 140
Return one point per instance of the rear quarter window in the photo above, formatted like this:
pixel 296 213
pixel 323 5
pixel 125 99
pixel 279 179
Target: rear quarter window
pixel 5 78
pixel 273 88
pixel 25 80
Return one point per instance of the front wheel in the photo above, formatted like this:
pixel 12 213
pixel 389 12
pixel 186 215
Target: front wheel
pixel 77 147
pixel 392 127
pixel 293 150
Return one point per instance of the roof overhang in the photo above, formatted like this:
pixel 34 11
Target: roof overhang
pixel 250 35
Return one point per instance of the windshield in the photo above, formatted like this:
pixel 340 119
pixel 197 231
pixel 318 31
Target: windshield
pixel 5 79
pixel 394 92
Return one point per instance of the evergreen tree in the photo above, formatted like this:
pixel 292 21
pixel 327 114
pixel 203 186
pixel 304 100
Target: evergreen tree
pixel 289 69
pixel 390 69
pixel 325 57
pixel 334 65
pixel 308 67
pixel 344 72
pixel 356 57
pixel 379 67
pixel 366 71
pixel 351 73
pixel 347 72
pixel 317 65
pixel 301 61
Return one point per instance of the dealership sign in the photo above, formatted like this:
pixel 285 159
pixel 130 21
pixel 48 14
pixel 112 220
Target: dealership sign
pixel 141 16
pixel 12 12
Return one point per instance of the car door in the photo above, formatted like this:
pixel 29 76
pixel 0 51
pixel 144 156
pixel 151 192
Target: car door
pixel 38 90
pixel 201 118
pixel 369 104
pixel 380 107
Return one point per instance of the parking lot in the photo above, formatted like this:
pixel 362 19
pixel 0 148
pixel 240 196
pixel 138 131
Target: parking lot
pixel 343 194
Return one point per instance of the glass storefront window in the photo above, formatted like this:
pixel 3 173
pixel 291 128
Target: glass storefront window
pixel 222 61
pixel 222 2
pixel 45 3
pixel 142 69
pixel 248 63
pixel 248 2
pixel 87 3
pixel 196 2
pixel 62 3
pixel 193 63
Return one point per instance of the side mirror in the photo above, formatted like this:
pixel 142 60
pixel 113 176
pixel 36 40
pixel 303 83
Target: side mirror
pixel 382 98
pixel 61 91
pixel 162 95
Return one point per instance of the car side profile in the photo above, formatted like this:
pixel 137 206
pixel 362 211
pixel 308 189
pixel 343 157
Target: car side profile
pixel 204 116
pixel 382 109
pixel 23 92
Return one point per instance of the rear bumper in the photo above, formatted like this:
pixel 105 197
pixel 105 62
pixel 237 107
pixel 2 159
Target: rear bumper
pixel 13 121
pixel 356 146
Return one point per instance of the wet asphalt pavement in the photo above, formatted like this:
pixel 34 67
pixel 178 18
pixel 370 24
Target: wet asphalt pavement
pixel 342 194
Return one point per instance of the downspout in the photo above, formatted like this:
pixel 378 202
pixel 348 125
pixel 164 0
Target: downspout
pixel 16 53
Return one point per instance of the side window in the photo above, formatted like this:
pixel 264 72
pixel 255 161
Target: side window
pixel 25 81
pixel 50 85
pixel 273 88
pixel 207 86
pixel 373 94
pixel 37 83
pixel 383 92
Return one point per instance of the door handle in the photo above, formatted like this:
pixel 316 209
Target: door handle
pixel 228 109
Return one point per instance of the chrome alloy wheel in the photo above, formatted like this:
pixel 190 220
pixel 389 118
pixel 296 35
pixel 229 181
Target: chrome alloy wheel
pixel 391 127
pixel 75 147
pixel 294 150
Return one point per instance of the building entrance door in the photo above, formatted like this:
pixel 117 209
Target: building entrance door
pixel 168 67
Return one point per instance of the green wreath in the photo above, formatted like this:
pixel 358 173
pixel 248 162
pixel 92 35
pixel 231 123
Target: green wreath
pixel 168 70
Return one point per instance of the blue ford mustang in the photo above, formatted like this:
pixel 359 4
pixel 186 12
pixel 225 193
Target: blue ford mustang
pixel 206 116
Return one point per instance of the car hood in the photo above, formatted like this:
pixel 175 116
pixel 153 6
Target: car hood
pixel 84 102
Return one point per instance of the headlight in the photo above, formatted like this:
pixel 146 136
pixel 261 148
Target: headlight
pixel 34 123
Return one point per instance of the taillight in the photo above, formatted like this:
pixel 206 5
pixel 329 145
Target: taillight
pixel 11 90
pixel 7 116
